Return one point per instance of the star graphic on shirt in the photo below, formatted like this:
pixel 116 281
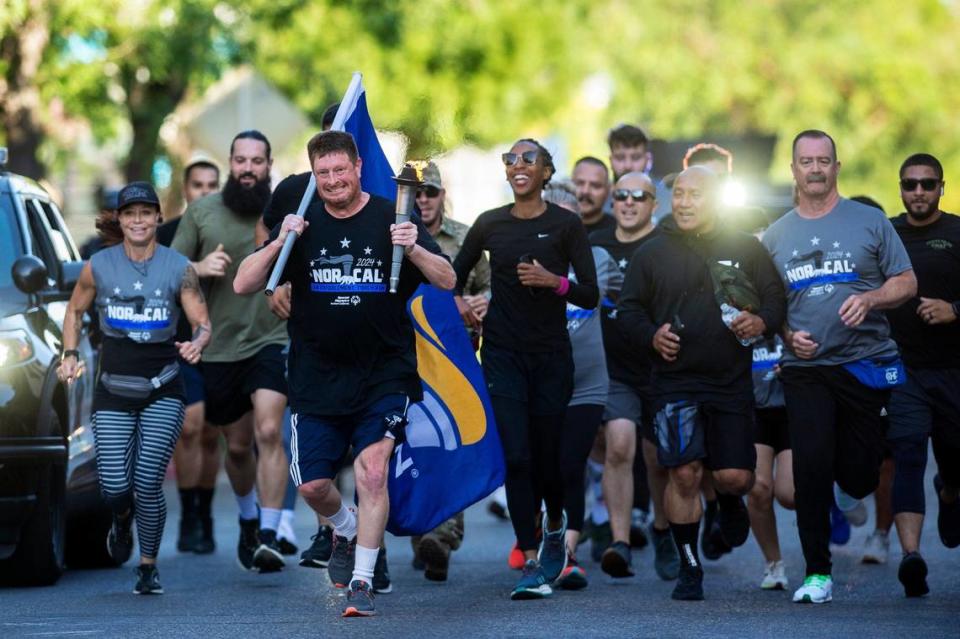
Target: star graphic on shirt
pixel 623 263
pixel 344 243
pixel 853 265
pixel 848 254
pixel 836 245
pixel 138 285
pixel 795 252
pixel 815 240
pixel 323 251
pixel 367 251
pixel 157 292
pixel 116 290
pixel 311 263
pixel 379 262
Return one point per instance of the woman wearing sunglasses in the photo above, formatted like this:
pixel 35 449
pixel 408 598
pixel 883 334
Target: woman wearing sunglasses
pixel 526 352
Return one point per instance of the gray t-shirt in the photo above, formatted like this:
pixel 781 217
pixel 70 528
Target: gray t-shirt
pixel 590 379
pixel 850 250
pixel 767 387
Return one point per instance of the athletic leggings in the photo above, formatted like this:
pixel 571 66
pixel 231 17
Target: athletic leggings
pixel 580 427
pixel 133 450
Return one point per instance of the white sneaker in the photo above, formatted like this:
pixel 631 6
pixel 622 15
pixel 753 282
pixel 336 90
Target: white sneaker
pixel 815 589
pixel 876 548
pixel 853 509
pixel 774 576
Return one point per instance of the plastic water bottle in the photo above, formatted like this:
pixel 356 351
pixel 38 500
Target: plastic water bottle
pixel 729 313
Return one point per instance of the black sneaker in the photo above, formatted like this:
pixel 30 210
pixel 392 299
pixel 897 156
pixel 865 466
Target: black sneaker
pixel 287 547
pixel 148 580
pixel 616 560
pixel 712 545
pixel 318 554
pixel 191 531
pixel 689 585
pixel 948 517
pixel 205 544
pixel 734 521
pixel 666 563
pixel 120 539
pixel 717 541
pixel 267 557
pixel 342 558
pixel 435 556
pixel 248 543
pixel 381 574
pixel 359 601
pixel 913 575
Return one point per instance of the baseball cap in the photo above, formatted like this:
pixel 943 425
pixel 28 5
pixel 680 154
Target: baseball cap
pixel 137 193
pixel 431 175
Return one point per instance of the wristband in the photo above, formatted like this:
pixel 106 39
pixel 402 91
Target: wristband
pixel 563 287
pixel 70 353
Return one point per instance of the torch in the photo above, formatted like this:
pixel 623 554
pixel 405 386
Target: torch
pixel 409 179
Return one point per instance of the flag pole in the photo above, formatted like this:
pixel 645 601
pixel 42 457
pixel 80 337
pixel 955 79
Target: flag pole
pixel 347 105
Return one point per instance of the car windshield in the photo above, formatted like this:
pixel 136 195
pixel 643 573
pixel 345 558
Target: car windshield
pixel 9 246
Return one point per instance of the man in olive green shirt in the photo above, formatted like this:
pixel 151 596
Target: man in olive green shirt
pixel 244 367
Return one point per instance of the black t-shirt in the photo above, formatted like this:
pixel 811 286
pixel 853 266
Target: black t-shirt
pixel 624 363
pixel 604 223
pixel 165 233
pixel 351 340
pixel 285 199
pixel 934 251
pixel 524 318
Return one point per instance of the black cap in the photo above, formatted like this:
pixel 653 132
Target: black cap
pixel 137 193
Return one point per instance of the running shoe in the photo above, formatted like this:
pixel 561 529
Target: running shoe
pixel 948 517
pixel 205 545
pixel 852 508
pixel 148 580
pixel 359 601
pixel 734 521
pixel 191 531
pixel 573 577
pixel 876 548
pixel 552 553
pixel 689 585
pixel 839 527
pixel 913 575
pixel 666 561
pixel 435 555
pixel 712 545
pixel 516 559
pixel 342 557
pixel 616 560
pixel 638 529
pixel 248 543
pixel 602 538
pixel 120 539
pixel 815 589
pixel 318 554
pixel 287 547
pixel 533 584
pixel 774 576
pixel 381 574
pixel 268 557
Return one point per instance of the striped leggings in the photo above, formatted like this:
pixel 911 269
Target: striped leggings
pixel 133 450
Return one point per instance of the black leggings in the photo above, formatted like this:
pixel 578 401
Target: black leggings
pixel 910 456
pixel 580 427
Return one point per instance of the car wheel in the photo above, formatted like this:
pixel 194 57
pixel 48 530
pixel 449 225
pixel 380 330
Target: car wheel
pixel 86 541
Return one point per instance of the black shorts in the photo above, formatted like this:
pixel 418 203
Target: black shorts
pixel 929 402
pixel 319 445
pixel 192 383
pixel 772 428
pixel 229 385
pixel 648 419
pixel 543 381
pixel 718 430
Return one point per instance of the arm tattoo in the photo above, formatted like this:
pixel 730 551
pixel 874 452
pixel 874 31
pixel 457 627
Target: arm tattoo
pixel 191 282
pixel 199 331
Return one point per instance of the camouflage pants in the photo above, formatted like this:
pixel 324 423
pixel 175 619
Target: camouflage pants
pixel 449 532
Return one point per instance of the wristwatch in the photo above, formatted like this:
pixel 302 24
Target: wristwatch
pixel 71 352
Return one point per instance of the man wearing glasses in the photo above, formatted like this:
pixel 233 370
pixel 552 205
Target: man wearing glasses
pixel 842 263
pixel 928 331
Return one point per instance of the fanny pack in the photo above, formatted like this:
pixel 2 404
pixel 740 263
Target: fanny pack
pixel 878 373
pixel 135 387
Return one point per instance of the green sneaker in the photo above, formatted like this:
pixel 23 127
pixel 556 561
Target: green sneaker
pixel 815 589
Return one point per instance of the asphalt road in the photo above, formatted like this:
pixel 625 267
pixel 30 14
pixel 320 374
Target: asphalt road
pixel 210 597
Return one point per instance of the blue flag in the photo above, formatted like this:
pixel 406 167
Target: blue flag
pixel 452 457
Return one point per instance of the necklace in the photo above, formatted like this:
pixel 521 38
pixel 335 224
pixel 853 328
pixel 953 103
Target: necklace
pixel 139 267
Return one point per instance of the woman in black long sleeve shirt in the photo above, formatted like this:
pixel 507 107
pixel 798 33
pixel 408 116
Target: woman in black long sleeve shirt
pixel 526 348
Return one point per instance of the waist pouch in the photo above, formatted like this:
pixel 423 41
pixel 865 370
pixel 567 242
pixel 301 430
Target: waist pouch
pixel 134 387
pixel 880 374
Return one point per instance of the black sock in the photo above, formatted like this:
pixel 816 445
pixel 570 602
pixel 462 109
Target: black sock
pixel 204 499
pixel 685 536
pixel 729 502
pixel 188 502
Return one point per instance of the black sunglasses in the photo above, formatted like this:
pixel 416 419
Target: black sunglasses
pixel 429 190
pixel 927 184
pixel 528 157
pixel 639 195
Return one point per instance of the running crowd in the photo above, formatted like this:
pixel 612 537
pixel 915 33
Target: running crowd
pixel 683 361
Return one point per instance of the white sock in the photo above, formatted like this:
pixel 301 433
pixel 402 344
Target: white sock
pixel 269 518
pixel 285 529
pixel 344 523
pixel 365 560
pixel 247 505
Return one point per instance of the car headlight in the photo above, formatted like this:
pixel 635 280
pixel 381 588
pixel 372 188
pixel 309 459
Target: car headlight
pixel 15 347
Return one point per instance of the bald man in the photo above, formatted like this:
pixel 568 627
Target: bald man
pixel 701 363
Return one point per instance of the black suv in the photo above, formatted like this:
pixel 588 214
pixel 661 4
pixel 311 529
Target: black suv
pixel 51 512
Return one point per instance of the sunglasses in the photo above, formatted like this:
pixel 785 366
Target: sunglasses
pixel 639 195
pixel 511 159
pixel 927 184
pixel 428 190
